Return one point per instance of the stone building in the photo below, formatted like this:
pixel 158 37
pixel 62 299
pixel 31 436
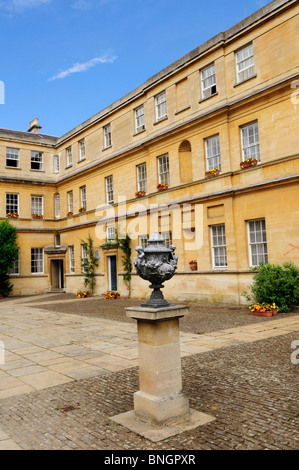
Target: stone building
pixel 189 128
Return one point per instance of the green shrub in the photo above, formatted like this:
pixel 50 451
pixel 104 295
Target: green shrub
pixel 278 284
pixel 9 254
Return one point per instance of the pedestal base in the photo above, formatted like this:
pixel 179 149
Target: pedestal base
pixel 156 434
pixel 160 411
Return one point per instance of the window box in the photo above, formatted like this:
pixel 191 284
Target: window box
pixel 140 193
pixel 69 214
pixel 37 216
pixel 212 172
pixel 248 162
pixel 82 209
pixel 162 186
pixel 13 215
pixel 263 310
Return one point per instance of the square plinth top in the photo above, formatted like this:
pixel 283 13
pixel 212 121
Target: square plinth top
pixel 157 314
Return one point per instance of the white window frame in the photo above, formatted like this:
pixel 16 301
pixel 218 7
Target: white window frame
pixel 37 205
pixel 56 163
pixel 109 190
pixel 139 119
pixel 167 235
pixel 38 159
pixel 110 232
pixel 72 259
pixel 70 201
pixel 57 205
pixel 163 169
pixel 107 136
pixel 13 155
pixel 143 241
pixel 57 240
pixel 84 254
pixel 37 260
pixel 213 155
pixel 208 82
pixel 15 270
pixel 83 197
pixel 69 157
pixel 218 244
pixel 161 106
pixel 244 63
pixel 82 150
pixel 257 242
pixel 12 202
pixel 142 177
pixel 250 141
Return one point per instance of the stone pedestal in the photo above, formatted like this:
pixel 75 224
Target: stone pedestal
pixel 161 409
pixel 160 399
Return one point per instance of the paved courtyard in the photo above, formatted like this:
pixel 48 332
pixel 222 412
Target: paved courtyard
pixel 68 370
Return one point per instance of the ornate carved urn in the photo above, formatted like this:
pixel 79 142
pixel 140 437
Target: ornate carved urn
pixel 156 263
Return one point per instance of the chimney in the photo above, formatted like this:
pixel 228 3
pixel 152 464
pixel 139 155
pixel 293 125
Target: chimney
pixel 34 126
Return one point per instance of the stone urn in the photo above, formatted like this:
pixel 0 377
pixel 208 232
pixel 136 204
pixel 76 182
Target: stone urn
pixel 156 263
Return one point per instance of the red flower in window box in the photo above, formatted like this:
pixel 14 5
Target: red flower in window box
pixel 69 214
pixel 162 186
pixel 140 193
pixel 248 162
pixel 82 209
pixel 13 215
pixel 212 172
pixel 37 216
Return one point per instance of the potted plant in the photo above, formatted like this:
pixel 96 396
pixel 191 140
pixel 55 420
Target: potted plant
pixel 111 295
pixel 140 193
pixel 248 162
pixel 264 310
pixel 69 214
pixel 212 172
pixel 162 186
pixel 82 209
pixel 82 294
pixel 193 265
pixel 12 214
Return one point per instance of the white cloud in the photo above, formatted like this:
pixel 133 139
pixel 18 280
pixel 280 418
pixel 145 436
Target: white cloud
pixel 82 5
pixel 82 67
pixel 19 6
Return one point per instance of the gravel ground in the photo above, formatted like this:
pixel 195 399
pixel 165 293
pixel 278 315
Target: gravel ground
pixel 202 318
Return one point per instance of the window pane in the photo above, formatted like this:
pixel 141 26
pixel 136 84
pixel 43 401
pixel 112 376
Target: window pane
pixel 213 153
pixel 12 157
pixel 36 160
pixel 257 242
pixel 219 246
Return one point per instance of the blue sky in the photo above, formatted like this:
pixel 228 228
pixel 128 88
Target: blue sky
pixel 64 60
